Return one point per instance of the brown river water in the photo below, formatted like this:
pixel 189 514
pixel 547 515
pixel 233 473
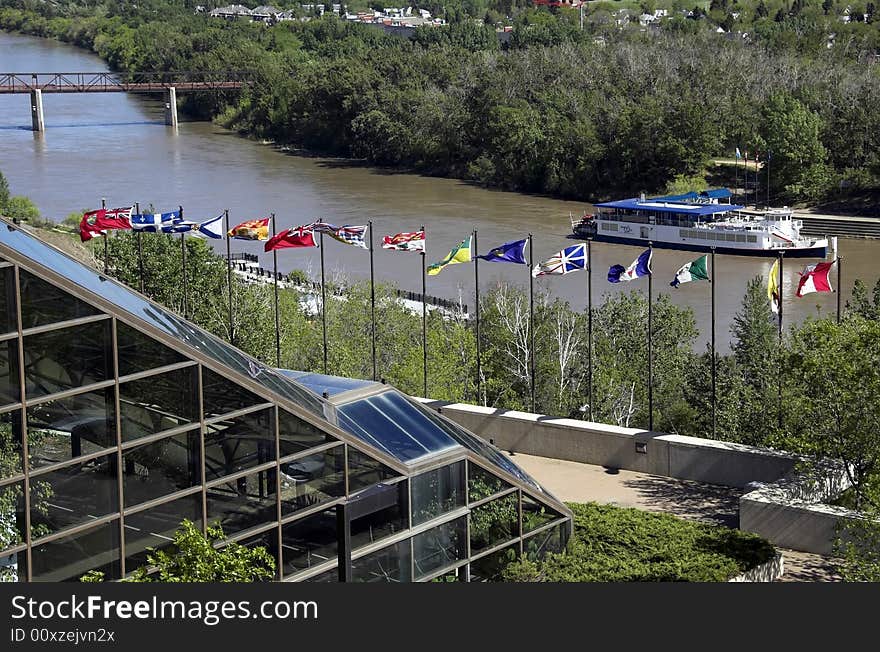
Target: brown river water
pixel 116 146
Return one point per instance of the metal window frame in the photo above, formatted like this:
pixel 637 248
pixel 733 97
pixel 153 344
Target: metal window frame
pixel 69 323
pixel 143 326
pixel 158 371
pixel 157 436
pixel 311 572
pixel 195 357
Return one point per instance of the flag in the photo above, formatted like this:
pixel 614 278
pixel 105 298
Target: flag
pixel 251 230
pixel 773 287
pixel 181 226
pixel 347 234
pixel 814 278
pixel 509 252
pixel 570 259
pixel 154 222
pixel 459 254
pixel 692 271
pixel 414 241
pixel 212 228
pixel 97 223
pixel 641 266
pixel 301 236
pixel 738 154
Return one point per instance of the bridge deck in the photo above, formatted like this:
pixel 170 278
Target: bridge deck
pixel 106 82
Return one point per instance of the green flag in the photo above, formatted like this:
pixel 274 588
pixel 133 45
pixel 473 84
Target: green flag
pixel 460 254
pixel 692 271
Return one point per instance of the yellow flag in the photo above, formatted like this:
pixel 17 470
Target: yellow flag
pixel 773 287
pixel 461 254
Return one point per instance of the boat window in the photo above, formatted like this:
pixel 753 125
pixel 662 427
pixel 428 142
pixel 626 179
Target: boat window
pixel 753 238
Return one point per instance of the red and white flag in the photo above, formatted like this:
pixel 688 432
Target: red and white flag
pixel 301 236
pixel 97 223
pixel 814 278
pixel 411 241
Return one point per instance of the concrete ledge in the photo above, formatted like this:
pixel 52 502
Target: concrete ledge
pixel 687 458
pixel 788 509
pixel 767 572
pixel 793 511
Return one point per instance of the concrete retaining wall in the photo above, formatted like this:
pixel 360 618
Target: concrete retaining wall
pixel 688 458
pixel 788 510
pixel 793 511
pixel 767 572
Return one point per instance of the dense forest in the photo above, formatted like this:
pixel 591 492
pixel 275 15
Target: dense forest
pixel 583 113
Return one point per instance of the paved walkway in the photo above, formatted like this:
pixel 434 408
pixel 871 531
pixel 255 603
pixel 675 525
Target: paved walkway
pixel 579 483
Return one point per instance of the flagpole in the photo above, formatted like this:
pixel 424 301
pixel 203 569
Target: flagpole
pixel 839 287
pixel 323 301
pixel 768 178
pixel 735 174
pixel 140 248
pixel 650 347
pixel 372 299
pixel 590 323
pixel 780 255
pixel 714 370
pixel 531 324
pixel 106 253
pixel 229 277
pixel 183 268
pixel 277 315
pixel 477 293
pixel 424 324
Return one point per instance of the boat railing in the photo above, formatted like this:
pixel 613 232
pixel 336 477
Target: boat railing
pixel 583 220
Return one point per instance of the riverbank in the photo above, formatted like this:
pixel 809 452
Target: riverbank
pixel 461 109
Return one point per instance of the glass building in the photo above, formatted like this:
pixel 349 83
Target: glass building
pixel 118 419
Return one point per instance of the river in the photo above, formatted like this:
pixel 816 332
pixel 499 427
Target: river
pixel 116 146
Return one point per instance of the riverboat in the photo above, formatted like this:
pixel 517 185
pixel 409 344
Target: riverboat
pixel 699 221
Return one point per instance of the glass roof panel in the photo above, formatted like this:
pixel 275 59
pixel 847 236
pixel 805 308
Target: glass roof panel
pixel 319 383
pixel 482 448
pixel 393 424
pixel 158 317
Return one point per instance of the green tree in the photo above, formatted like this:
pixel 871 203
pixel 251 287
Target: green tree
pixel 857 548
pixel 792 133
pixel 836 412
pixel 861 303
pixel 4 193
pixel 757 366
pixel 22 208
pixel 197 557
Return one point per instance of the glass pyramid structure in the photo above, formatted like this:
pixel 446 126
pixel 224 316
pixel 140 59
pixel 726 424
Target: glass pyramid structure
pixel 119 419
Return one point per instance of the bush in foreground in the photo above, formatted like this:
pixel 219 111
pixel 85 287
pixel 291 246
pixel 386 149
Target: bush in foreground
pixel 613 544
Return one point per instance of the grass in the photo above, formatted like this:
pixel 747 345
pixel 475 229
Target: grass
pixel 613 544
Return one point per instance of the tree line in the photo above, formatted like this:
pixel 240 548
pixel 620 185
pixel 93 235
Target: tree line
pixel 557 111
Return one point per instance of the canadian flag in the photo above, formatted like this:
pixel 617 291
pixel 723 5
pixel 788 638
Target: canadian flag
pixel 814 278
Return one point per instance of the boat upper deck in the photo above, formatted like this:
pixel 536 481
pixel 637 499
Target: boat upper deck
pixel 653 206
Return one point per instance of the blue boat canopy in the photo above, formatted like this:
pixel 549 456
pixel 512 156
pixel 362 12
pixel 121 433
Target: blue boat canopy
pixel 717 193
pixel 666 206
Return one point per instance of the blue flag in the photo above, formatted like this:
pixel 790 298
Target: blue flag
pixel 570 259
pixel 154 222
pixel 641 266
pixel 509 252
pixel 212 228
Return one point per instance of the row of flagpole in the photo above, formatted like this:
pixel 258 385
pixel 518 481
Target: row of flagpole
pixel 739 155
pixel 573 258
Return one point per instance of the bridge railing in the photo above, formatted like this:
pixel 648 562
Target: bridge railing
pixel 84 82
